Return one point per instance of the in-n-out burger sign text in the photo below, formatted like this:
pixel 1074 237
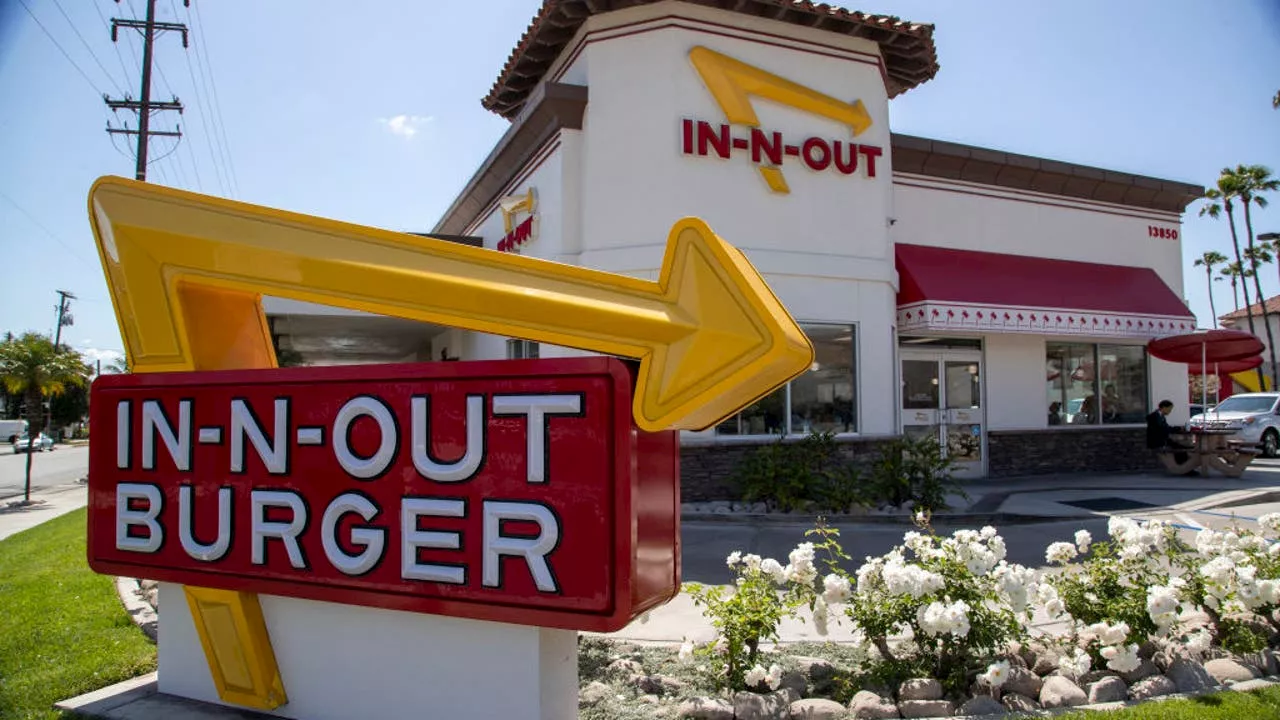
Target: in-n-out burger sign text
pixel 734 84
pixel 772 150
pixel 510 491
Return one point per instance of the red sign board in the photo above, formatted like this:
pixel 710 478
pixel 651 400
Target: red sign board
pixel 514 491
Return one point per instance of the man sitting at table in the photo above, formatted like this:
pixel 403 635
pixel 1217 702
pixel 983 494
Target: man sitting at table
pixel 1159 434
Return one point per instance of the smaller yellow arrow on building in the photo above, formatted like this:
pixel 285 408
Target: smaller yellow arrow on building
pixel 186 273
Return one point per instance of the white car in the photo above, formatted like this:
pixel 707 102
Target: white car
pixel 42 443
pixel 1254 416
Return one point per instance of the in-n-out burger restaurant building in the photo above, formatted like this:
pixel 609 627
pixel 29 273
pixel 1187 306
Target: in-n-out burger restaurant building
pixel 996 301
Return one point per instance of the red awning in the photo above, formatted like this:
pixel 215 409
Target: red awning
pixel 943 289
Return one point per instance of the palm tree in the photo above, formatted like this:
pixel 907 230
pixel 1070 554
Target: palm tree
pixel 1209 261
pixel 119 366
pixel 1234 272
pixel 1253 180
pixel 1223 197
pixel 31 366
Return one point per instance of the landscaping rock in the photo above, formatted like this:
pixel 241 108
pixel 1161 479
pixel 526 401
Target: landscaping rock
pixel 649 699
pixel 1265 661
pixel 1018 702
pixel 1256 623
pixel 926 708
pixel 1224 671
pixel 867 705
pixel 1190 676
pixel 796 680
pixel 704 708
pixel 1144 670
pixel 625 666
pixel 1023 682
pixel 815 709
pixel 593 692
pixel 920 689
pixel 758 507
pixel 752 706
pixel 982 705
pixel 1147 649
pixel 1061 692
pixel 1154 686
pixel 1025 652
pixel 1046 662
pixel 1108 689
pixel 818 669
pixel 657 684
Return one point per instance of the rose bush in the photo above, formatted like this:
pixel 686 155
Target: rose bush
pixel 950 607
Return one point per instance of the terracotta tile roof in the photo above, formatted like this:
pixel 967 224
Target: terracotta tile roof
pixel 1273 308
pixel 909 53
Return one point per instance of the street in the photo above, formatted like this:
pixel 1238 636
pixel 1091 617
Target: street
pixel 63 466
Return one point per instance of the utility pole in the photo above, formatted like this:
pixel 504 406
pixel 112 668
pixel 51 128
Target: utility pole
pixel 144 107
pixel 64 317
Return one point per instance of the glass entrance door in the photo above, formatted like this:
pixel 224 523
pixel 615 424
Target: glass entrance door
pixel 942 398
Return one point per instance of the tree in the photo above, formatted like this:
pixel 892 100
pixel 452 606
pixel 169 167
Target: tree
pixel 1220 198
pixel 119 366
pixel 1234 272
pixel 1209 261
pixel 1253 181
pixel 31 366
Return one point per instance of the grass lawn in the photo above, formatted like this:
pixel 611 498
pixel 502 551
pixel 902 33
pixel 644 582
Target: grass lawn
pixel 63 631
pixel 1257 705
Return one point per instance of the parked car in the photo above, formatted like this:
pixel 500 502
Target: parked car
pixel 42 443
pixel 1254 416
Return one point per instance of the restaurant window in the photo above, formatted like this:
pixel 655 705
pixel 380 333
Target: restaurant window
pixel 823 399
pixel 1091 384
pixel 521 349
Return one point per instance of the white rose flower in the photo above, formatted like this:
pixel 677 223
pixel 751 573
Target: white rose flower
pixel 1054 608
pixel 1122 659
pixel 987 533
pixel 1161 600
pixel 996 673
pixel 835 589
pixel 1060 553
pixel 734 558
pixel 1270 522
pixel 1199 641
pixel 752 561
pixel 820 617
pixel 755 676
pixel 774 677
pixel 1076 665
pixel 773 569
pixel 686 651
pixel 1114 634
pixel 1083 540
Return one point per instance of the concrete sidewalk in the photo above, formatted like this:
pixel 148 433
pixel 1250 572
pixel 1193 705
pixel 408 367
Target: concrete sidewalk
pixel 47 504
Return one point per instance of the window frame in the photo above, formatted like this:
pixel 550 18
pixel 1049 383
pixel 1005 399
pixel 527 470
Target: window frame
pixel 1096 384
pixel 855 401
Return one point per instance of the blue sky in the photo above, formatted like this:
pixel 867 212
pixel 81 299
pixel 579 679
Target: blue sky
pixel 375 117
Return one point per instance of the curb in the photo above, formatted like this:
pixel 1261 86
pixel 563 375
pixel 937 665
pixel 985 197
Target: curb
pixel 140 611
pixel 742 518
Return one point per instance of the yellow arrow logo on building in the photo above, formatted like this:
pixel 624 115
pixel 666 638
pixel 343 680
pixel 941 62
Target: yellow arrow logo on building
pixel 710 335
pixel 732 83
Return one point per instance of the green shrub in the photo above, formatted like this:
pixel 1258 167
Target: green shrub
pixel 915 471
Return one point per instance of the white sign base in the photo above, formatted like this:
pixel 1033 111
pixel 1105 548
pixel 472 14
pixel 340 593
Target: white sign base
pixel 343 661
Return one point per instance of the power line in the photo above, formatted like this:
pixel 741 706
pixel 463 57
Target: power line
pixel 217 103
pixel 204 123
pixel 46 230
pixel 84 42
pixel 60 49
pixel 114 46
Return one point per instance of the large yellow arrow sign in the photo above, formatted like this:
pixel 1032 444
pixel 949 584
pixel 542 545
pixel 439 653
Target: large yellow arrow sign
pixel 186 272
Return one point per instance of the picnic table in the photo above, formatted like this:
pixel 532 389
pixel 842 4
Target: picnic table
pixel 1213 450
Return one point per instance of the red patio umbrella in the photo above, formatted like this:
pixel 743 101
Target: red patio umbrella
pixel 1228 367
pixel 1205 348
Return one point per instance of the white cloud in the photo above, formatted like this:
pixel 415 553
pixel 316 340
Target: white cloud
pixel 405 125
pixel 92 354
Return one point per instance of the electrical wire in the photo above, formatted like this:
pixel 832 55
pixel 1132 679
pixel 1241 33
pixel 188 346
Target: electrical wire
pixel 115 45
pixel 60 48
pixel 46 230
pixel 217 105
pixel 92 54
